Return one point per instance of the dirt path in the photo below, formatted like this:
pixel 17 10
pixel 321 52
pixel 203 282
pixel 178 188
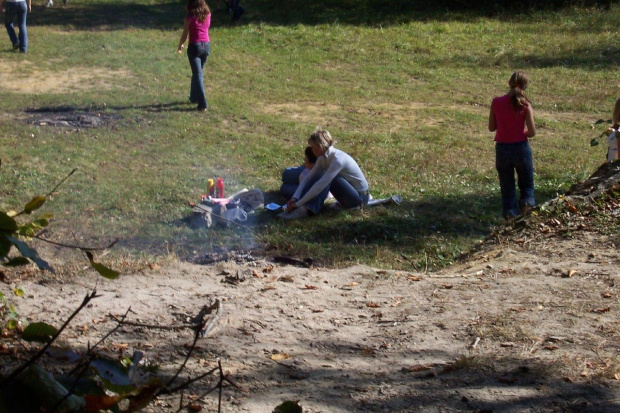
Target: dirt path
pixel 506 331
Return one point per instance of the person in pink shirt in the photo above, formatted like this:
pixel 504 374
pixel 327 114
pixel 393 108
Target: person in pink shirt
pixel 196 25
pixel 512 120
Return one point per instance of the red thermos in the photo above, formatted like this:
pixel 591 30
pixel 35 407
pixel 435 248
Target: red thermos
pixel 219 188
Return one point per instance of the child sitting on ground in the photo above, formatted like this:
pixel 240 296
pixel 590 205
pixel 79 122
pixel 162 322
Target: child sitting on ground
pixel 292 176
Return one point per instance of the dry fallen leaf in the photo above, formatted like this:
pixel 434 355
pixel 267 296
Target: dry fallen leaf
pixel 286 279
pixel 447 286
pixel 551 347
pixel 269 287
pixel 268 269
pixel 507 344
pixel 394 304
pixel 606 294
pixel 353 284
pixel 194 407
pixel 280 356
pixel 257 274
pixel 121 347
pixel 602 310
pixel 569 274
pixel 418 367
pixel 412 277
pixel 372 305
pixel 310 287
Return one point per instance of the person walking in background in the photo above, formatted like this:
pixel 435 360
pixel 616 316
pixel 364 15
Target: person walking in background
pixel 196 25
pixel 512 120
pixel 334 171
pixel 15 14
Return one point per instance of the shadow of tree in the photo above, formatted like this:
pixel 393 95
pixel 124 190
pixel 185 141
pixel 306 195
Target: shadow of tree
pixel 168 14
pixel 111 15
pixel 445 381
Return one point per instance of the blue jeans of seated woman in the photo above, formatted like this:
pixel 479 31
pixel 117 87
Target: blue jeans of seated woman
pixel 290 180
pixel 342 191
pixel 15 13
pixel 511 158
pixel 198 53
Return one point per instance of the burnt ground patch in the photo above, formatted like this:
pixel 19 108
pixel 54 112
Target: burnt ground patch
pixel 70 117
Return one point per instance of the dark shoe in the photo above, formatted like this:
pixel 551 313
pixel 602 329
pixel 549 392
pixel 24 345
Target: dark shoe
pixel 15 46
pixel 202 109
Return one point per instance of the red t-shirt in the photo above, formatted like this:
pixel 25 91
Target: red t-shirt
pixel 510 123
pixel 199 32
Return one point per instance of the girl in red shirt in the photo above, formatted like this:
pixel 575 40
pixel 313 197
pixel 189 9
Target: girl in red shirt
pixel 512 120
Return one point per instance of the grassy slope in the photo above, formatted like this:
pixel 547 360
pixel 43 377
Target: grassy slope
pixel 405 93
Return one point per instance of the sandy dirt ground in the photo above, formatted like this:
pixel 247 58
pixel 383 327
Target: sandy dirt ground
pixel 518 326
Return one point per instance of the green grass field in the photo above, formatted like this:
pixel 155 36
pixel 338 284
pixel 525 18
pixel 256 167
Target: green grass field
pixel 405 93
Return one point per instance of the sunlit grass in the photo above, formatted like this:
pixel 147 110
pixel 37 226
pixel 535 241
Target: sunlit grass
pixel 407 95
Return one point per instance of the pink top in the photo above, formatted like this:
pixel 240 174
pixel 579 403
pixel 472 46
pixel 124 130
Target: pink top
pixel 510 124
pixel 199 32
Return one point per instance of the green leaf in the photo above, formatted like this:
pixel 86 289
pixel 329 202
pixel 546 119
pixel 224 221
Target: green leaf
pixel 17 261
pixel 18 291
pixel 114 375
pixel 105 271
pixel 41 222
pixel 102 269
pixel 35 203
pixel 48 393
pixel 28 252
pixel 39 332
pixel 12 324
pixel 7 224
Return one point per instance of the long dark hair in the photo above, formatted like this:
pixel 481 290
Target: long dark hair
pixel 518 83
pixel 198 9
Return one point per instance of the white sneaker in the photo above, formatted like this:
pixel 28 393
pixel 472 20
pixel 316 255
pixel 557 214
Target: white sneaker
pixel 49 3
pixel 301 212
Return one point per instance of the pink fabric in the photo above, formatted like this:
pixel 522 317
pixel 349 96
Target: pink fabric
pixel 199 32
pixel 510 124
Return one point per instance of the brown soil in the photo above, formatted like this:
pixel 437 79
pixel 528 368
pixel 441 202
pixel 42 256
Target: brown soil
pixel 528 322
pixel 27 77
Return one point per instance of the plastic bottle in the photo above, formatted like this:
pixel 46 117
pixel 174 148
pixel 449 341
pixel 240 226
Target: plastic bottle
pixel 219 188
pixel 211 188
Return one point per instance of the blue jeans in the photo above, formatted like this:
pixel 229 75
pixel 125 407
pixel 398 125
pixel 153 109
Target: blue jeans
pixel 290 180
pixel 511 157
pixel 342 191
pixel 16 14
pixel 198 53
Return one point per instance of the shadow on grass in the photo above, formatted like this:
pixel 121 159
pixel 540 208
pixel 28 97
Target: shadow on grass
pixel 429 232
pixel 168 14
pixel 178 106
pixel 111 16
